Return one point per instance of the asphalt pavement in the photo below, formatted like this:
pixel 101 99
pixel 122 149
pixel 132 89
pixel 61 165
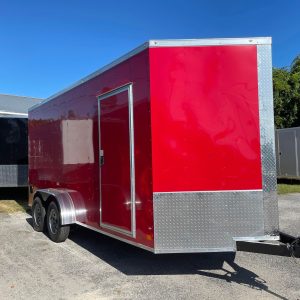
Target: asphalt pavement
pixel 289 214
pixel 92 266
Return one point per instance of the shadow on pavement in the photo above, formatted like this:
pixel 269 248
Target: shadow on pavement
pixel 131 260
pixel 243 277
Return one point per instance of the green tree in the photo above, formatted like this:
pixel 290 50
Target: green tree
pixel 295 67
pixel 295 85
pixel 286 88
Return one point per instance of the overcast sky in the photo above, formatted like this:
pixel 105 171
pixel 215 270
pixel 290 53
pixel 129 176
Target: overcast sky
pixel 47 45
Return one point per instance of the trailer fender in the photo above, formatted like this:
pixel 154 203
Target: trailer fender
pixel 67 200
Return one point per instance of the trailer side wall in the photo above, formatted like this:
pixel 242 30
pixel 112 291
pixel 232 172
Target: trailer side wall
pixel 64 143
pixel 207 148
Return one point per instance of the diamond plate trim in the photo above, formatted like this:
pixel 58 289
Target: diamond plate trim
pixel 206 221
pixel 267 139
pixel 13 175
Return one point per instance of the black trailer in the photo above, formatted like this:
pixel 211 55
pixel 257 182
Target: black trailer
pixel 14 139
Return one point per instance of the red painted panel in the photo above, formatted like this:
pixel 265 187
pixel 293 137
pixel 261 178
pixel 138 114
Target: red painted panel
pixel 115 172
pixel 205 118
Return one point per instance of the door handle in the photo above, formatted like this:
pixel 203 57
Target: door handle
pixel 101 157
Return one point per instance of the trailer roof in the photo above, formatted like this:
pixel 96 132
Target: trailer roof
pixel 288 129
pixel 165 43
pixel 16 106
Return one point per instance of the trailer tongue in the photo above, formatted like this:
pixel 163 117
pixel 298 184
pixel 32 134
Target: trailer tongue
pixel 287 246
pixel 170 148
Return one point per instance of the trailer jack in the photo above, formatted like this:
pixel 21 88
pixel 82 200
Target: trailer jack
pixel 286 246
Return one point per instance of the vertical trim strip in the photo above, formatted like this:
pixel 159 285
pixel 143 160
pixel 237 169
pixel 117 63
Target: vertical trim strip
pixel 132 168
pixel 296 153
pixel 267 136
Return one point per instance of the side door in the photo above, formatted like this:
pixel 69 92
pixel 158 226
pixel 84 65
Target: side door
pixel 116 140
pixel 287 153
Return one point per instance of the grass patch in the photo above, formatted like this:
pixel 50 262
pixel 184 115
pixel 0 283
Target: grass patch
pixel 288 188
pixel 13 200
pixel 11 206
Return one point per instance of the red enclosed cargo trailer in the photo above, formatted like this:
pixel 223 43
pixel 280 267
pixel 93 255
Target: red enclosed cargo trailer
pixel 169 148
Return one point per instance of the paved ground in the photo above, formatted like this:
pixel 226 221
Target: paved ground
pixel 91 266
pixel 289 212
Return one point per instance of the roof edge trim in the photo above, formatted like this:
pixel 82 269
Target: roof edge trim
pixel 211 42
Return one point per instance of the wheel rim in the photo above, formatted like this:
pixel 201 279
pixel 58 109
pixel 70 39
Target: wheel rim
pixel 53 221
pixel 37 214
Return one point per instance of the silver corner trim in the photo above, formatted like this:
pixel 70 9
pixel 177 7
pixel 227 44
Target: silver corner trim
pixel 96 73
pixel 267 138
pixel 211 42
pixel 117 237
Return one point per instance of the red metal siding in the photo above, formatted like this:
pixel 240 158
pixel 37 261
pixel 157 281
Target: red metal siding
pixel 52 165
pixel 205 118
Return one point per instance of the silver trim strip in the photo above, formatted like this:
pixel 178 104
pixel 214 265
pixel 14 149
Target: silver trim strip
pixel 195 250
pixel 211 42
pixel 13 113
pixel 218 191
pixel 132 162
pixel 116 228
pixel 115 91
pixel 116 237
pixel 162 43
pixel 127 87
pixel 257 238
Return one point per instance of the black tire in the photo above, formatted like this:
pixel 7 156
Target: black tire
pixel 56 231
pixel 38 215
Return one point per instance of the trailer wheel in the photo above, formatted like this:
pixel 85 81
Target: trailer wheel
pixel 56 231
pixel 38 215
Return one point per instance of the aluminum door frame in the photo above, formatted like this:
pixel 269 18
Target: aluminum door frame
pixel 127 87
